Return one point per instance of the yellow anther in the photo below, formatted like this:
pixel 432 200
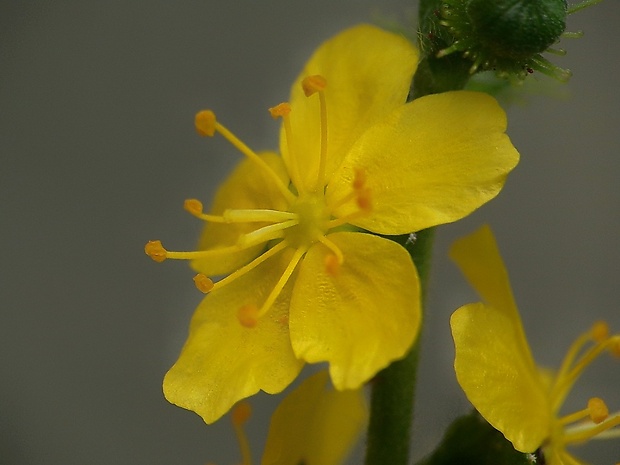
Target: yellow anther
pixel 282 109
pixel 248 316
pixel 241 413
pixel 193 206
pixel 203 283
pixel 598 410
pixel 156 251
pixel 600 331
pixel 360 179
pixel 364 200
pixel 205 123
pixel 313 84
pixel 332 265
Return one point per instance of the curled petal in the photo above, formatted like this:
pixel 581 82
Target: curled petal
pixel 361 318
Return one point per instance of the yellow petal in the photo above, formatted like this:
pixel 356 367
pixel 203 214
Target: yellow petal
pixel 222 361
pixel 432 161
pixel 246 187
pixel 368 73
pixel 315 425
pixel 362 317
pixel 497 376
pixel 478 258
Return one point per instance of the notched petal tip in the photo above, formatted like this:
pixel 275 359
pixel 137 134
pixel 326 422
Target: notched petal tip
pixel 205 123
pixel 156 251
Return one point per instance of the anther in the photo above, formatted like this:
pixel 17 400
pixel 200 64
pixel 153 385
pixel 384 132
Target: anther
pixel 156 251
pixel 360 179
pixel 241 413
pixel 332 265
pixel 248 316
pixel 364 200
pixel 600 331
pixel 313 84
pixel 205 123
pixel 598 410
pixel 193 206
pixel 280 110
pixel 203 283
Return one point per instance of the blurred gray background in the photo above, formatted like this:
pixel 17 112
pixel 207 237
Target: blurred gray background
pixel 98 151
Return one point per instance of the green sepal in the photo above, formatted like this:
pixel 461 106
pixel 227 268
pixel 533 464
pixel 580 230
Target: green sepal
pixel 470 440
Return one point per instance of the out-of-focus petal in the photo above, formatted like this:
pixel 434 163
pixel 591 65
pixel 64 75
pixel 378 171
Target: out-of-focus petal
pixel 315 425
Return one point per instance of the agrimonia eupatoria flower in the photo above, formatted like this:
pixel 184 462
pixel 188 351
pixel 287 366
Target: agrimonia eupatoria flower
pixel 496 370
pixel 305 280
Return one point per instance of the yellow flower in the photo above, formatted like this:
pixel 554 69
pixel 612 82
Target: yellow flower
pixel 315 425
pixel 305 281
pixel 496 370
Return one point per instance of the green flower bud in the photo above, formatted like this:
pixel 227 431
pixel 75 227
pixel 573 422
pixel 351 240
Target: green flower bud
pixel 507 36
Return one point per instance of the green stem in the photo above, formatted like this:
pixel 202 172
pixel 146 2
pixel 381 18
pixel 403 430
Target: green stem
pixel 393 388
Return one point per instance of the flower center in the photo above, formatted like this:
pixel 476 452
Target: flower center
pixel 313 221
pixel 307 220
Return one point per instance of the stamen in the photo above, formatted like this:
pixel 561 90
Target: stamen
pixel 203 254
pixel 359 180
pixel 283 110
pixel 205 123
pixel 275 292
pixel 598 410
pixel 253 264
pixel 565 382
pixel 364 200
pixel 266 233
pixel 577 434
pixel 332 266
pixel 203 283
pixel 312 85
pixel 156 251
pixel 240 415
pixel 600 331
pixel 280 110
pixel 334 248
pixel 248 316
pixel 257 215
pixel 194 207
pixel 205 120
